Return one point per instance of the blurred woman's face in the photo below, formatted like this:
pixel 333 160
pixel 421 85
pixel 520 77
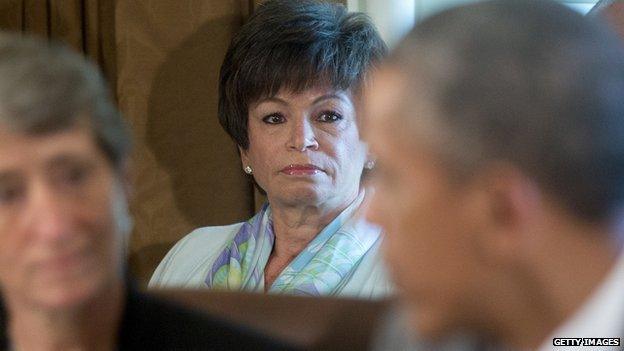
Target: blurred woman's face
pixel 305 148
pixel 58 236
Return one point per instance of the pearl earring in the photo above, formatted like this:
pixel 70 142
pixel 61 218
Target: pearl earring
pixel 369 165
pixel 248 170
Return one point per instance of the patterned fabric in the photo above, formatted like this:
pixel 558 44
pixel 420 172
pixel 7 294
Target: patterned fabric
pixel 320 269
pixel 241 264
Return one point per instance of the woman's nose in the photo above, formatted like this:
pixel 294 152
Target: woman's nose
pixel 302 136
pixel 50 217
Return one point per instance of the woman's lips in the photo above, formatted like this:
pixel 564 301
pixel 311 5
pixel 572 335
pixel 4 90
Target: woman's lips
pixel 301 170
pixel 66 264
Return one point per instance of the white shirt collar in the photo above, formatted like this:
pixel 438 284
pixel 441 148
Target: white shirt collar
pixel 602 315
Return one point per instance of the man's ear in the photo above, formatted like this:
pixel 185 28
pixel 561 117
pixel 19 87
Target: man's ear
pixel 123 192
pixel 512 204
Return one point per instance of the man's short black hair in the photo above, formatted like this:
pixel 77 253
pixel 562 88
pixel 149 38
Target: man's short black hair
pixel 533 83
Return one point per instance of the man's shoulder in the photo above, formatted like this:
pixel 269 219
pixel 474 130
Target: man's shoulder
pixel 151 323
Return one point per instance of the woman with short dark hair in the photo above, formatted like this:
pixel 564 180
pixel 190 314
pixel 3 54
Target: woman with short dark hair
pixel 287 96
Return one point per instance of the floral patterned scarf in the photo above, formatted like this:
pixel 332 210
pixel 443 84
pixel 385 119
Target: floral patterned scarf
pixel 320 269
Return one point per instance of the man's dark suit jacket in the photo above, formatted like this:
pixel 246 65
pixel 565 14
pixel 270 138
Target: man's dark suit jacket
pixel 149 323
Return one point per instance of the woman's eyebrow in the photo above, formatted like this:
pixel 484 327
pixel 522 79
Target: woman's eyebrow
pixel 272 99
pixel 328 97
pixel 7 176
pixel 317 100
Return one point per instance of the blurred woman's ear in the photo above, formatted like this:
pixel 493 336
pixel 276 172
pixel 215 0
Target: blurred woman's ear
pixel 125 179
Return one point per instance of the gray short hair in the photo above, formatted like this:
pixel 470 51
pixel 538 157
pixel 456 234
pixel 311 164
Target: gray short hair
pixel 45 87
pixel 532 83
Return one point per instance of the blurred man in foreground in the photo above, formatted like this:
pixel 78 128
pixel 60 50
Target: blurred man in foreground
pixel 612 11
pixel 63 217
pixel 499 131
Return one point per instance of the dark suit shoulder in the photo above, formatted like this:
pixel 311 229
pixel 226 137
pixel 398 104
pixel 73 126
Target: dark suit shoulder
pixel 150 323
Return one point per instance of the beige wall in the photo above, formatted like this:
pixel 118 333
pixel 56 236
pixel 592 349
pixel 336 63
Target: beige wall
pixel 187 172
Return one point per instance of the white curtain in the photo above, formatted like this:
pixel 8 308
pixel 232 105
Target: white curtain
pixel 582 6
pixel 394 18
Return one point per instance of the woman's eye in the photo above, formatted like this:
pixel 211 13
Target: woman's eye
pixel 275 118
pixel 10 194
pixel 74 175
pixel 329 117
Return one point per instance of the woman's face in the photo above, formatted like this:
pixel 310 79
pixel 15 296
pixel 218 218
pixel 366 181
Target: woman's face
pixel 305 148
